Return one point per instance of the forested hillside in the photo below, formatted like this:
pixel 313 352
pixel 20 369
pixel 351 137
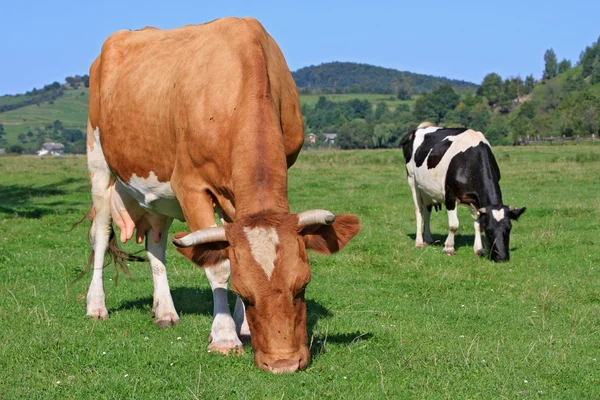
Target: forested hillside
pixel 348 77
pixel 564 103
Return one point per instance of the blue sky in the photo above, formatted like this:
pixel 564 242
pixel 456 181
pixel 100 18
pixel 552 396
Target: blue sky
pixel 45 41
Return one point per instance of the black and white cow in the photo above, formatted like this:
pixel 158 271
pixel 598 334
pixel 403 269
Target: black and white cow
pixel 456 166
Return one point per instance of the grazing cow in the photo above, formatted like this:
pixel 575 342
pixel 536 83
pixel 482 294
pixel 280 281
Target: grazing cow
pixel 205 118
pixel 456 166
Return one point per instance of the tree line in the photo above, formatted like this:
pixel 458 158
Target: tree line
pixel 564 102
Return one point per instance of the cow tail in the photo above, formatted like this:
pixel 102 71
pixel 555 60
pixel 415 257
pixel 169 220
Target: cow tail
pixel 116 254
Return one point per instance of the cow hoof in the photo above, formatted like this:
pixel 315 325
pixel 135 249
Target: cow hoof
pixel 244 338
pixel 98 313
pixel 167 320
pixel 226 347
pixel 449 252
pixel 480 252
pixel 419 245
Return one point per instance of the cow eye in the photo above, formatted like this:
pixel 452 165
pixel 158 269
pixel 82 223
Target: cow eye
pixel 299 294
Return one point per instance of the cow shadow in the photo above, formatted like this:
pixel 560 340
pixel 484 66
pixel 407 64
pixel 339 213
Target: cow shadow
pixel 22 201
pixel 199 301
pixel 439 239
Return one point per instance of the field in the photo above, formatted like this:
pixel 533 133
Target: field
pixel 385 320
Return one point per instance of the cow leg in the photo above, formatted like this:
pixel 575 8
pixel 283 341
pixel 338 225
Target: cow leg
pixel 99 235
pixel 241 323
pixel 477 246
pixel 223 335
pixel 453 227
pixel 418 212
pixel 200 213
pixel 426 210
pixel 163 309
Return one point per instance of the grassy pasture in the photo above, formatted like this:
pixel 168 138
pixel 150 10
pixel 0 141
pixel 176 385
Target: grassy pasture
pixel 386 320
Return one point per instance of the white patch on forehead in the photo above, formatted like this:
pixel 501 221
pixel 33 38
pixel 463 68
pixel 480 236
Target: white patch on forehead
pixel 498 214
pixel 263 244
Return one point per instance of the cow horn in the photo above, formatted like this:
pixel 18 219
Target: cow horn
pixel 207 235
pixel 313 217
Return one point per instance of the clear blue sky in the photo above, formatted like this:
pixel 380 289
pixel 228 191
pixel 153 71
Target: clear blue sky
pixel 45 41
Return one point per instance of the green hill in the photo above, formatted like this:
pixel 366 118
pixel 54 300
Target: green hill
pixel 348 77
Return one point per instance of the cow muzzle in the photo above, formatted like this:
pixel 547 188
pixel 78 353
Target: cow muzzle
pixel 277 365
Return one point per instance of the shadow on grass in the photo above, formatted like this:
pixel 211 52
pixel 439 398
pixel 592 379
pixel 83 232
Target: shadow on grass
pixel 459 240
pixel 200 302
pixel 22 201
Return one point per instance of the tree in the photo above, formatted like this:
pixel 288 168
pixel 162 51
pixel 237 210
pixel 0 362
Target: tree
pixel 403 94
pixel 386 136
pixel 22 138
pixel 16 149
pixel 497 131
pixel 355 134
pixel 491 88
pixel 435 105
pixel 529 84
pixel 381 111
pixel 551 64
pixel 480 117
pixel 564 66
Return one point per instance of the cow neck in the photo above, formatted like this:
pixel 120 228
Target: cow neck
pixel 259 173
pixel 491 195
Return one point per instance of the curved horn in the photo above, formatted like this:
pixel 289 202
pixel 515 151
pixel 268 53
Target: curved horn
pixel 207 235
pixel 313 217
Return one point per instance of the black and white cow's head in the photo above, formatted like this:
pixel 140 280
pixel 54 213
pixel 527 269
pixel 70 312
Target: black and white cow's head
pixel 495 222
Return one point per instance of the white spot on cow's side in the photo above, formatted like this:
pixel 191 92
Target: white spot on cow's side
pixel 498 214
pixel 263 244
pixel 153 195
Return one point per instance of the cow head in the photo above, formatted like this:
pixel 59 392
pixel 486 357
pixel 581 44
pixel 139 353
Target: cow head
pixel 270 272
pixel 495 222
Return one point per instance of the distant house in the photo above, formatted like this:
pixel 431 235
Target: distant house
pixel 2 151
pixel 330 137
pixel 310 138
pixel 52 149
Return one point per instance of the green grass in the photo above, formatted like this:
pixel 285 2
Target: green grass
pixel 386 320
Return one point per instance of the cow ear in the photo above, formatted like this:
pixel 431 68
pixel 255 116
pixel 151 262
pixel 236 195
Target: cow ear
pixel 470 198
pixel 206 254
pixel 328 239
pixel 515 213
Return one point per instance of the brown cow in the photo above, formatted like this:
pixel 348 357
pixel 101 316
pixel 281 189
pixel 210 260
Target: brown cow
pixel 192 120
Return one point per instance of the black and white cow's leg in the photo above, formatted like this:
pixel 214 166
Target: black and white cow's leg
pixel 453 227
pixel 223 334
pixel 99 235
pixel 477 245
pixel 427 224
pixel 163 309
pixel 241 323
pixel 418 212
